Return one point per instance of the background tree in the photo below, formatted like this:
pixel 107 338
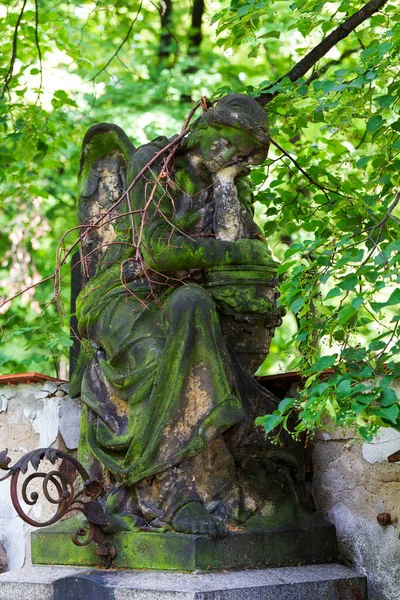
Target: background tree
pixel 327 196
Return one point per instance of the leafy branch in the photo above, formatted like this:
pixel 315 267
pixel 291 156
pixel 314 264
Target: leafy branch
pixel 122 44
pixel 341 32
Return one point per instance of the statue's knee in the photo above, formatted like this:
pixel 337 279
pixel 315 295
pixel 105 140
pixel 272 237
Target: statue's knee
pixel 188 298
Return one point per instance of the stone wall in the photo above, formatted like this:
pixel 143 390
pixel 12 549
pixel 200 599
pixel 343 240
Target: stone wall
pixel 352 484
pixel 31 416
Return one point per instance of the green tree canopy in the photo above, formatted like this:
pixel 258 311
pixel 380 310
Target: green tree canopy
pixel 328 195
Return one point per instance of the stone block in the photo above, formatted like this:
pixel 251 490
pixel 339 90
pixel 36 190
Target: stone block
pixel 312 542
pixel 50 387
pixel 3 559
pixel 69 415
pixel 318 582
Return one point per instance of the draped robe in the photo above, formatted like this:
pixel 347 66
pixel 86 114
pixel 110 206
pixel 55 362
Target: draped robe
pixel 161 385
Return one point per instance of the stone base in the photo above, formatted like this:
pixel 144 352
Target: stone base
pixel 317 582
pixel 314 542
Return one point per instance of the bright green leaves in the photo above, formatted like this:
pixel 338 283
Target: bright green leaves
pixel 340 400
pixel 278 418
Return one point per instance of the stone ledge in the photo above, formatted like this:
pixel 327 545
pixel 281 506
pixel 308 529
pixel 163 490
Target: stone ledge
pixel 317 582
pixel 313 542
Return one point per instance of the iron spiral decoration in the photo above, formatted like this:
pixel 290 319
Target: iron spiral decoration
pixel 58 487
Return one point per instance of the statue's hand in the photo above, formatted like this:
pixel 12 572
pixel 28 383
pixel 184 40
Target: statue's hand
pixel 251 252
pixel 228 174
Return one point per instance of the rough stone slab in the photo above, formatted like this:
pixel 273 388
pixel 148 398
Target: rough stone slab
pixel 70 414
pixel 313 543
pixel 34 583
pixel 316 582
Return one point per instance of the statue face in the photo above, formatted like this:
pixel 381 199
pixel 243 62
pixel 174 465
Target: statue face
pixel 226 146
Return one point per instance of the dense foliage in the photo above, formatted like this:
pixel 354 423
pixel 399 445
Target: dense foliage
pixel 327 196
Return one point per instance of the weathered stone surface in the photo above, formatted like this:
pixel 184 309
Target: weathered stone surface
pixel 385 443
pixel 353 483
pixel 41 394
pixel 26 423
pixel 3 402
pixel 70 413
pixel 51 387
pixel 311 542
pixel 167 387
pixel 32 583
pixel 3 559
pixel 319 582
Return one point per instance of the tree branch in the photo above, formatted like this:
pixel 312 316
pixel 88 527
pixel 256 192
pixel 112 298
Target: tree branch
pixel 10 71
pixel 37 43
pixel 126 38
pixel 300 168
pixel 341 32
pixel 166 38
pixel 195 33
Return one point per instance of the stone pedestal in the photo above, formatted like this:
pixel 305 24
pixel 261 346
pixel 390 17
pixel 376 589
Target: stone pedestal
pixel 318 582
pixel 313 540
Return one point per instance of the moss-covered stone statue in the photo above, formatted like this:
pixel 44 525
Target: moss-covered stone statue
pixel 169 400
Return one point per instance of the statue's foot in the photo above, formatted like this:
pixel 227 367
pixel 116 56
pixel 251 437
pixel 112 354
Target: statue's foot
pixel 195 518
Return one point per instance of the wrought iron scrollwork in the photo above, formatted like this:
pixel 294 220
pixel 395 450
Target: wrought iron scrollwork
pixel 59 489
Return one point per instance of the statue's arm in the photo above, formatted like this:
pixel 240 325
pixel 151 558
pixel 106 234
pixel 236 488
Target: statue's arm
pixel 165 248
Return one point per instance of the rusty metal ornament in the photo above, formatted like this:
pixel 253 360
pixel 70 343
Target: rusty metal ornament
pixel 395 457
pixel 58 488
pixel 384 519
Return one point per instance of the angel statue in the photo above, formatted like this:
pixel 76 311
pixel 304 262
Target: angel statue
pixel 179 307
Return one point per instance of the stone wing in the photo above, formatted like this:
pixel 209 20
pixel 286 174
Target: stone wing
pixel 106 152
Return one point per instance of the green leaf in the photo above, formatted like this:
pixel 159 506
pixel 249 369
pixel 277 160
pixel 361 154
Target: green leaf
pixel 333 293
pixel 325 362
pixel 254 51
pixel 386 101
pixel 270 421
pixel 343 390
pixel 363 161
pixel 366 434
pixel 391 301
pixel 346 313
pixel 374 123
pixel 389 413
pixel 244 10
pixel 297 305
pixel 349 283
pixel 388 397
pixel 270 34
pixel 357 302
pixel 285 404
pixel 286 266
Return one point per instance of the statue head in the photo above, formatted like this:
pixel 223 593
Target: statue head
pixel 233 132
